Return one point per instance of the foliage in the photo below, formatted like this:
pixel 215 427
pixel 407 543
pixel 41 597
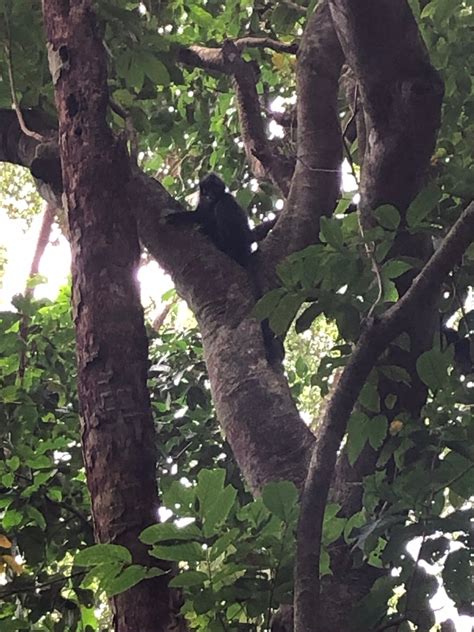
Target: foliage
pixel 233 553
pixel 19 196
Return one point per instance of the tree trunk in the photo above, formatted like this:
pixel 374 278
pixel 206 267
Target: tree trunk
pixel 117 432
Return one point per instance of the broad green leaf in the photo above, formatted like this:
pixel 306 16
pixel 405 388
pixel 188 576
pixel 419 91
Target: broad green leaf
pixel 432 367
pixel 394 268
pixel 210 484
pixel 377 431
pixel 169 531
pixel 129 577
pixel 268 303
pixel 9 394
pixel 155 69
pixel 332 529
pixel 103 554
pixel 217 512
pixel 11 518
pixel 423 204
pixel 281 499
pixel 188 578
pixel 387 216
pixel 348 322
pixel 369 397
pixel 357 435
pixel 324 563
pixel 101 572
pixel 331 232
pixel 201 17
pixel 457 578
pixel 185 552
pixel 37 517
pixel 39 462
pixel 223 543
pixel 390 292
pixel 395 373
pixel 283 315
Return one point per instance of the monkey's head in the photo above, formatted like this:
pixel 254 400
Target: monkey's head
pixel 211 187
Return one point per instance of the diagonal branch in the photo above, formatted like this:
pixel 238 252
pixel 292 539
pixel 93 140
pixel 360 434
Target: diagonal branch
pixel 373 341
pixel 263 157
pixel 316 180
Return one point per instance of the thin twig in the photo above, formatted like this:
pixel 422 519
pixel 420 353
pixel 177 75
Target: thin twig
pixel 130 130
pixel 316 169
pixel 39 587
pixel 16 106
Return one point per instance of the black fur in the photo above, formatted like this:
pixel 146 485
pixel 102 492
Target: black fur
pixel 221 219
pixel 226 224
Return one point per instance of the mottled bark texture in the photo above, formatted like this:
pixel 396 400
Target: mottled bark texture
pixel 117 432
pixel 252 399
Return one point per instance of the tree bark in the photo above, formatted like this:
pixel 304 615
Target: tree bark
pixel 117 431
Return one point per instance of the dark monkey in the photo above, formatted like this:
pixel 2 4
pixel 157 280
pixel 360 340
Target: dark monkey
pixel 221 219
pixel 226 224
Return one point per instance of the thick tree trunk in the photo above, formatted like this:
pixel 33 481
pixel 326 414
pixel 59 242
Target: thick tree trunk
pixel 117 433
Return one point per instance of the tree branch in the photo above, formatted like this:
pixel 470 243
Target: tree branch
pixel 41 242
pixel 400 94
pixel 262 156
pixel 316 180
pixel 372 342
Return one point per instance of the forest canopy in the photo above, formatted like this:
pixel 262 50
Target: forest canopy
pixel 282 440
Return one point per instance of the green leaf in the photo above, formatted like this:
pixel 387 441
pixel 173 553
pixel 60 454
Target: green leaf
pixel 103 554
pixel 331 232
pixel 281 499
pixel 218 511
pixel 168 531
pixel 11 519
pixel 223 543
pixel 9 394
pixel 432 367
pixel 369 397
pixel 100 573
pixel 387 216
pixel 332 529
pixel 178 494
pixel 324 563
pixel 188 578
pixel 377 431
pixel 395 373
pixel 348 322
pixel 394 268
pixel 423 204
pixel 210 484
pixel 185 552
pixel 201 17
pixel 39 462
pixel 357 435
pixel 457 576
pixel 37 517
pixel 283 315
pixel 155 69
pixel 129 577
pixel 268 303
